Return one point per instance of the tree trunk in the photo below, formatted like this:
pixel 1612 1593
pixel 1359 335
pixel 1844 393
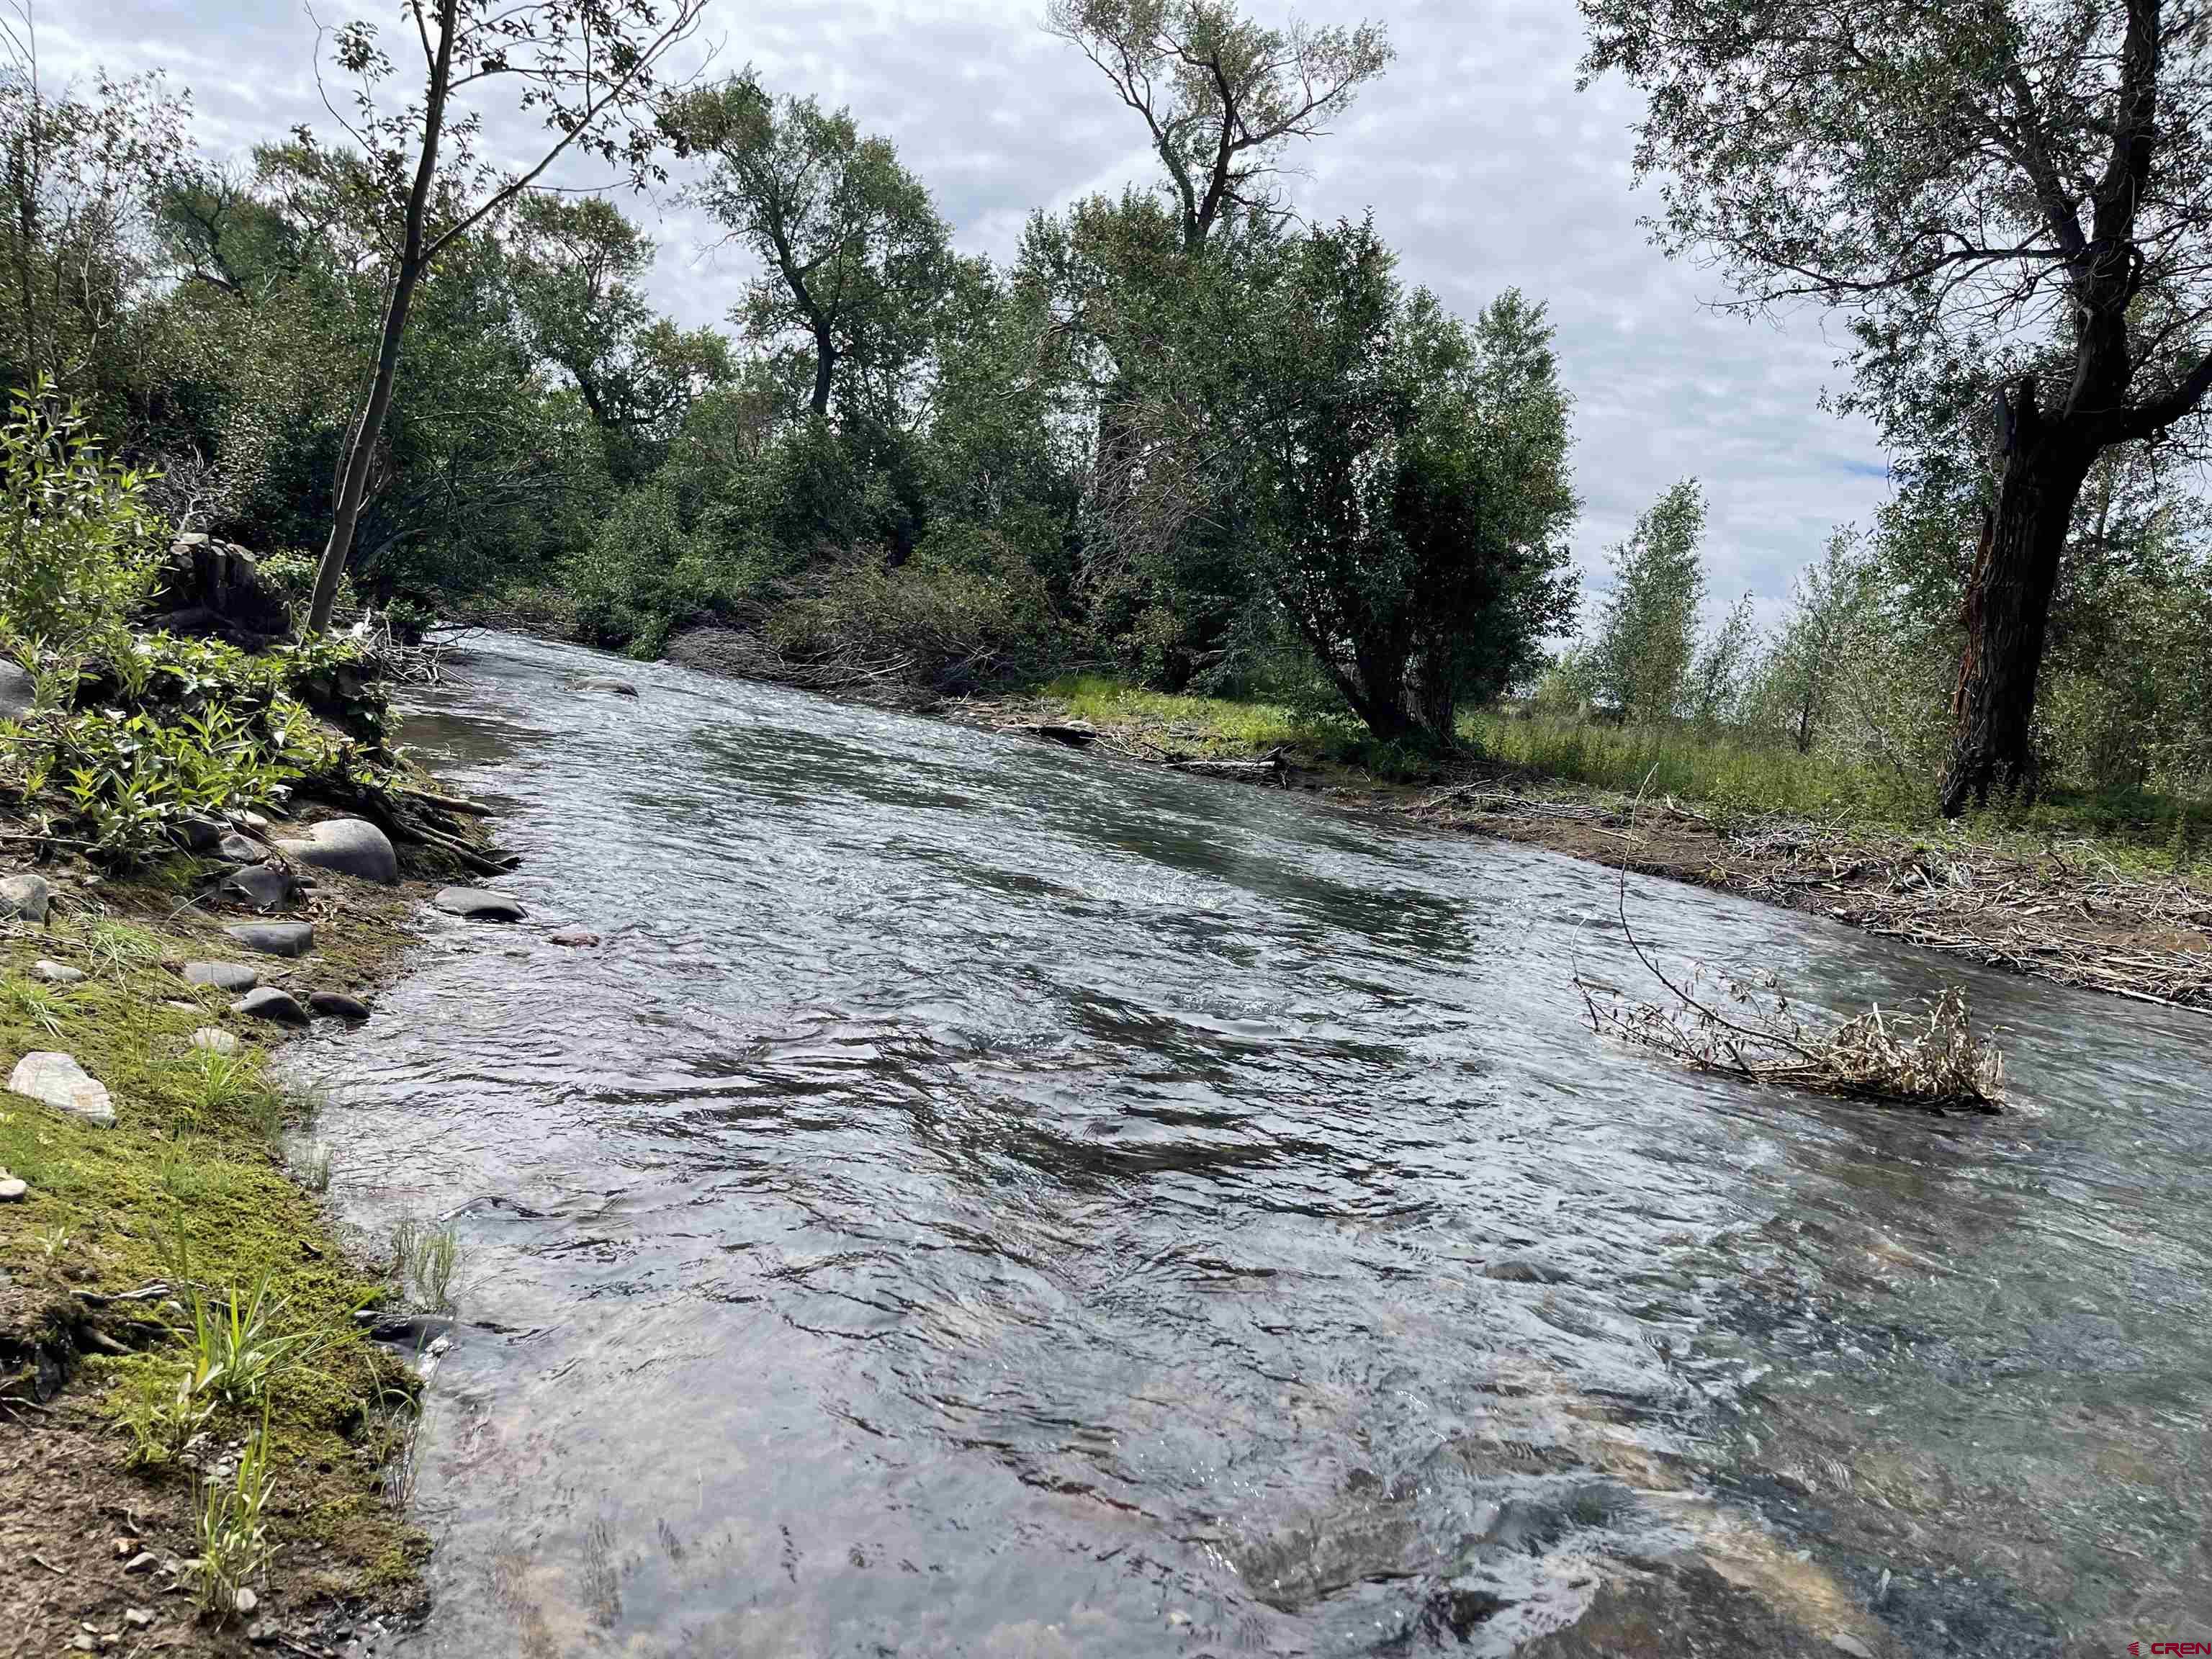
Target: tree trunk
pixel 2008 612
pixel 825 370
pixel 360 448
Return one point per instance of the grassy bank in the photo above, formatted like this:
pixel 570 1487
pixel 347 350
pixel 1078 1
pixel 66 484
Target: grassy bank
pixel 184 1376
pixel 2107 893
pixel 1728 777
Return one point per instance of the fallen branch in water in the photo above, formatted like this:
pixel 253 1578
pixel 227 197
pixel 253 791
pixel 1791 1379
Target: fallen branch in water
pixel 1751 1031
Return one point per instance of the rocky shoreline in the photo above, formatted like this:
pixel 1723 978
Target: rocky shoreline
pixel 156 1168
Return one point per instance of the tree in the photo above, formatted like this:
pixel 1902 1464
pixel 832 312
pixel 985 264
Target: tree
pixel 1647 630
pixel 856 258
pixel 584 66
pixel 1833 604
pixel 575 274
pixel 81 176
pixel 1221 98
pixel 1407 478
pixel 2006 181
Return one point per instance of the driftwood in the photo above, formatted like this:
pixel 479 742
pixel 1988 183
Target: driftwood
pixel 1751 1032
pixel 1268 771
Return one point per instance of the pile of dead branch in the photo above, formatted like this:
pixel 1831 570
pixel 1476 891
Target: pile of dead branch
pixel 1934 1060
pixel 1752 1032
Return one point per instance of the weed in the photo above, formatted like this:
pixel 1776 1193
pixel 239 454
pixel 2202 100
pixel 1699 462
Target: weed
pixel 118 948
pixel 36 1004
pixel 425 1260
pixel 314 1169
pixel 161 1428
pixel 232 1531
pixel 233 1350
pixel 53 1245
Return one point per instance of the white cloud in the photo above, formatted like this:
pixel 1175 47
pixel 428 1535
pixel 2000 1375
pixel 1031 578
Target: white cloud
pixel 1484 166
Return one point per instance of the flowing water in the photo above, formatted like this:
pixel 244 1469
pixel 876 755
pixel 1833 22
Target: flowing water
pixel 987 1199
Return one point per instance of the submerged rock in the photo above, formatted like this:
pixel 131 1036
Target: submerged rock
pixel 270 1003
pixel 351 846
pixel 27 896
pixel 56 973
pixel 478 904
pixel 275 938
pixel 233 976
pixel 619 688
pixel 59 1082
pixel 574 937
pixel 335 1004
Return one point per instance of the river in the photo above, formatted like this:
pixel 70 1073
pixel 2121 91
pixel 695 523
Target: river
pixel 983 1199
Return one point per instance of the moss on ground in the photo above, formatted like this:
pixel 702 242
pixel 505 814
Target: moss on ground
pixel 190 1186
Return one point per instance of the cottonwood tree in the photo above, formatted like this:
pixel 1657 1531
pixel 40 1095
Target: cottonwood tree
pixel 1647 637
pixel 1402 480
pixel 1220 96
pixel 856 258
pixel 2023 181
pixel 1834 604
pixel 585 68
pixel 576 273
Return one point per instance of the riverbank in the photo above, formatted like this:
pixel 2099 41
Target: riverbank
pixel 202 1446
pixel 2071 899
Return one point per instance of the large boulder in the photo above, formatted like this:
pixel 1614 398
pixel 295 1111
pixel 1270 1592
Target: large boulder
pixel 17 693
pixel 275 938
pixel 352 846
pixel 62 1084
pixel 26 896
pixel 212 589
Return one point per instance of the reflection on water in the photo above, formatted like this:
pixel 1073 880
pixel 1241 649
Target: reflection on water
pixel 984 1199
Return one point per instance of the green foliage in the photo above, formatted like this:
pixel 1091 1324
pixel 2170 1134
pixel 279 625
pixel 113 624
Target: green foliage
pixel 80 547
pixel 1647 637
pixel 172 728
pixel 231 1525
pixel 233 1352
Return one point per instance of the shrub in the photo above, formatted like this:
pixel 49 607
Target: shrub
pixel 80 547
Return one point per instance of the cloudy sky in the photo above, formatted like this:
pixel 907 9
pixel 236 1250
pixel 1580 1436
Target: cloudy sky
pixel 1482 162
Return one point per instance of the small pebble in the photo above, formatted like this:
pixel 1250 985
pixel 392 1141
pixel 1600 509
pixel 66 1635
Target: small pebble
pixel 262 1635
pixel 1843 1643
pixel 144 1561
pixel 246 1602
pixel 137 1617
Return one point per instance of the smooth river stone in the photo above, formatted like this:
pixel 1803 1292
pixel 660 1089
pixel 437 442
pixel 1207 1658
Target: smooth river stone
pixel 264 886
pixel 270 1003
pixel 27 896
pixel 211 1041
pixel 232 976
pixel 477 904
pixel 62 1084
pixel 56 973
pixel 335 1004
pixel 351 846
pixel 275 938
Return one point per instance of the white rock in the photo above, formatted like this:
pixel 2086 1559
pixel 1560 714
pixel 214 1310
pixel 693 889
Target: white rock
pixel 13 1188
pixel 215 1041
pixel 62 1084
pixel 246 1601
pixel 56 973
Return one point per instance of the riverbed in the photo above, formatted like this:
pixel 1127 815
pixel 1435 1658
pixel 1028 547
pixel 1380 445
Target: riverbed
pixel 980 1198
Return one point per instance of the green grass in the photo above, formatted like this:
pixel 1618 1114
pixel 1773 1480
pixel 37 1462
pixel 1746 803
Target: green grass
pixel 1723 774
pixel 189 1186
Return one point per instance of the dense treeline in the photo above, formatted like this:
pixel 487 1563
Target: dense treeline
pixel 1179 436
